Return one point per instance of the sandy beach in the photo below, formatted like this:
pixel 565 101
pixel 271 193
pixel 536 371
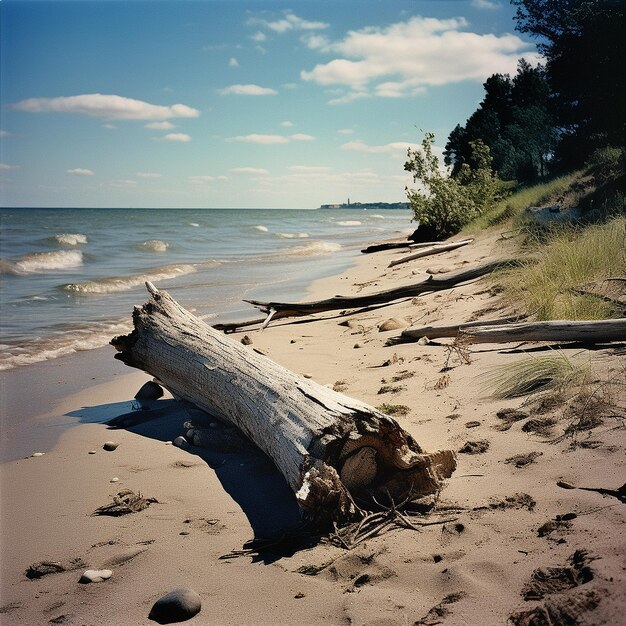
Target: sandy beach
pixel 508 517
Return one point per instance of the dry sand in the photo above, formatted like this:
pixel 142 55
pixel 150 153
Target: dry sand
pixel 472 570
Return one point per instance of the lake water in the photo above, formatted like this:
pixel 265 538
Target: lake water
pixel 70 277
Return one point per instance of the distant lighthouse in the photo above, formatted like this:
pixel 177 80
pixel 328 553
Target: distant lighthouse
pixel 348 201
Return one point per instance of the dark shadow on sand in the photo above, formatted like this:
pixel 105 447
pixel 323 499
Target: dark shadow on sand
pixel 246 474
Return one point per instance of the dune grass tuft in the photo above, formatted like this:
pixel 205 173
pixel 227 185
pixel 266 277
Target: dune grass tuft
pixel 572 259
pixel 554 373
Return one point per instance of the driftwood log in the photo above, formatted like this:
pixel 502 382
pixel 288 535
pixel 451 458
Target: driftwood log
pixel 279 310
pixel 593 331
pixel 385 245
pixel 334 451
pixel 410 335
pixel 435 249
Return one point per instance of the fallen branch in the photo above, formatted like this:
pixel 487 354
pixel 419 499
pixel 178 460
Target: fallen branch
pixel 427 285
pixel 594 331
pixel 410 335
pixel 386 245
pixel 436 249
pixel 330 448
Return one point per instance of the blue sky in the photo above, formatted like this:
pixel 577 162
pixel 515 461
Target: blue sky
pixel 235 103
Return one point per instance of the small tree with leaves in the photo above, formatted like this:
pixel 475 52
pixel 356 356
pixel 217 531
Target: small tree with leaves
pixel 445 204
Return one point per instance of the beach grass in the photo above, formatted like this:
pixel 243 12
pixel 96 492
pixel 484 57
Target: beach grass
pixel 557 286
pixel 512 207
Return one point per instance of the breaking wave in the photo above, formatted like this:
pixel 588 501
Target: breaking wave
pixel 292 235
pixel 349 223
pixel 154 245
pixel 314 247
pixel 115 284
pixel 74 340
pixel 262 228
pixel 67 239
pixel 42 262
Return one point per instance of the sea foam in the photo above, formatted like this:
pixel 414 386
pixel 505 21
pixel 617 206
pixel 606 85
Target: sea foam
pixel 42 262
pixel 314 247
pixel 154 245
pixel 67 239
pixel 262 228
pixel 349 223
pixel 115 284
pixel 292 235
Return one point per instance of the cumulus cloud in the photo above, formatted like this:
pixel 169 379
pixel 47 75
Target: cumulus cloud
pixel 232 62
pixel 8 166
pixel 147 175
pixel 259 37
pixel 247 90
pixel 80 171
pixel 485 4
pixel 249 170
pixel 200 179
pixel 289 22
pixel 406 57
pixel 258 138
pixel 180 137
pixel 286 124
pixel 107 106
pixel 309 169
pixel 160 125
pixel 393 148
pixel 345 131
pixel 271 139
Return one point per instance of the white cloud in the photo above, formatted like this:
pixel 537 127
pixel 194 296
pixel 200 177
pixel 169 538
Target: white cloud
pixel 309 169
pixel 124 183
pixel 259 37
pixel 316 42
pixel 393 148
pixel 107 106
pixel 406 57
pixel 200 179
pixel 181 137
pixel 485 4
pixel 147 175
pixel 8 166
pixel 80 171
pixel 160 125
pixel 232 62
pixel 345 131
pixel 286 124
pixel 248 170
pixel 109 126
pixel 302 137
pixel 5 133
pixel 262 139
pixel 247 90
pixel 289 22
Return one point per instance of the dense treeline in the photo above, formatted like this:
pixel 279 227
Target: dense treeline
pixel 553 116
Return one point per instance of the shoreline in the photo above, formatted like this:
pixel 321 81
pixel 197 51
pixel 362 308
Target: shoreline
pixel 210 502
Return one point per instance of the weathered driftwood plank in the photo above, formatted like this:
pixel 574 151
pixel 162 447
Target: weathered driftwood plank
pixel 437 332
pixel 595 331
pixel 333 450
pixel 385 245
pixel 432 283
pixel 436 249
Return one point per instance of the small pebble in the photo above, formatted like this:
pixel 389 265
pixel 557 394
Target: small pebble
pixel 176 606
pixel 115 479
pixel 180 442
pixel 37 453
pixel 109 446
pixel 168 443
pixel 357 345
pixel 299 595
pixel 92 451
pixel 246 341
pixel 307 375
pixel 184 532
pixel 95 576
pixel 423 341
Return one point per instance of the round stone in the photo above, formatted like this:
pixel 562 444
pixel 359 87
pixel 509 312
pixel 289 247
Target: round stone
pixel 176 606
pixel 180 442
pixel 95 576
pixel 35 454
pixel 109 446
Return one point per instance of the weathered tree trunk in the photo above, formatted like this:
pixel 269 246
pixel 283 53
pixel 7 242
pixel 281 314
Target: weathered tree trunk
pixel 436 249
pixel 279 310
pixel 386 245
pixel 595 331
pixel 410 335
pixel 332 450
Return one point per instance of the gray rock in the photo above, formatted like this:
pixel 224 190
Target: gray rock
pixel 95 576
pixel 109 446
pixel 246 341
pixel 149 393
pixel 178 605
pixel 180 442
